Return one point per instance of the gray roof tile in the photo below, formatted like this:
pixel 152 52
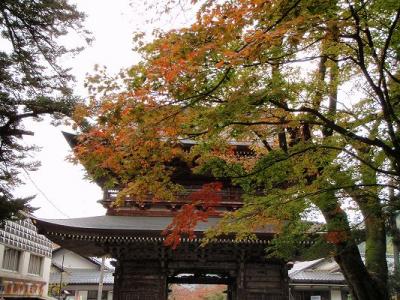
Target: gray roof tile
pixel 120 223
pixel 128 223
pixel 317 276
pixel 82 276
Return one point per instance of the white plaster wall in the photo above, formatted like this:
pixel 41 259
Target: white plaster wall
pixel 1 255
pixel 72 260
pixel 81 295
pixel 336 294
pixel 109 295
pixel 46 273
pixel 24 263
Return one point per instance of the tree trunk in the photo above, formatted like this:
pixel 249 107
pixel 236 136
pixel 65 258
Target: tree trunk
pixel 375 249
pixel 363 285
pixel 375 228
pixel 396 246
pixel 395 234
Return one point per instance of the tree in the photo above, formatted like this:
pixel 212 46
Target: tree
pixel 273 75
pixel 32 82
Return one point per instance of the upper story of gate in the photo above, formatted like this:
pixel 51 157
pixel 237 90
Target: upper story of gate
pixel 230 197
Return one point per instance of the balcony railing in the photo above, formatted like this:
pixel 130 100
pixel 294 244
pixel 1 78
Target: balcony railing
pixel 229 196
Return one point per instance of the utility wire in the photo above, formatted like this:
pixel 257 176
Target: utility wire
pixel 44 195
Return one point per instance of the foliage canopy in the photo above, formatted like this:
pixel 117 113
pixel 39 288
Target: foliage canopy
pixel 312 87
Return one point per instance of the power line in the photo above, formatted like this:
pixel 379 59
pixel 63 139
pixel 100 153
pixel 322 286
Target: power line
pixel 44 195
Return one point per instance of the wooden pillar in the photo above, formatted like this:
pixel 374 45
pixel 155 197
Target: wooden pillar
pixel 136 280
pixel 143 268
pixel 262 282
pixel 232 289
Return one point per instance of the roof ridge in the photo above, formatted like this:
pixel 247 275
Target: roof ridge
pixel 307 266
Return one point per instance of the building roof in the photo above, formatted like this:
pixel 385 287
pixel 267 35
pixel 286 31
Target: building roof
pixel 118 223
pixel 323 270
pixel 92 260
pixel 81 235
pixel 82 276
pixel 22 234
pixel 315 272
pixel 125 224
pixel 316 276
pixel 242 149
pixel 302 265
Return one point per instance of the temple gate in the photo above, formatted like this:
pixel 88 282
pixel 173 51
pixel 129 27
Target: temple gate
pixel 132 234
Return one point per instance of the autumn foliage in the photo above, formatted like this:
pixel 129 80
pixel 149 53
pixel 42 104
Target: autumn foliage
pixel 197 292
pixel 200 205
pixel 273 77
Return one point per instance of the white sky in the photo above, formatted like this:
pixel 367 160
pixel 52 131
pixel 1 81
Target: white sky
pixel 60 188
pixel 112 24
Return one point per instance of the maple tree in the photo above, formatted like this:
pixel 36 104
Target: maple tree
pixel 311 87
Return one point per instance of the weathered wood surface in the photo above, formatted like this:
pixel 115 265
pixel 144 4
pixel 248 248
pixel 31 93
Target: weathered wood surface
pixel 144 270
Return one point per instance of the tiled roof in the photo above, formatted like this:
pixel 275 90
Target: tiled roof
pixel 82 276
pixel 302 265
pixel 85 276
pixel 22 234
pixel 309 272
pixel 317 276
pixel 81 235
pixel 123 223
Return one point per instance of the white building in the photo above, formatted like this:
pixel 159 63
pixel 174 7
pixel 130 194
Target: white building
pixel 319 279
pixel 25 259
pixel 79 276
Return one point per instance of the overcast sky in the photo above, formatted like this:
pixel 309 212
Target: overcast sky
pixel 60 188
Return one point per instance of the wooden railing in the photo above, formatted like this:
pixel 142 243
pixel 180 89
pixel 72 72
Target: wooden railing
pixel 229 196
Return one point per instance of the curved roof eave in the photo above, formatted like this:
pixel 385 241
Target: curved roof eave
pixel 85 235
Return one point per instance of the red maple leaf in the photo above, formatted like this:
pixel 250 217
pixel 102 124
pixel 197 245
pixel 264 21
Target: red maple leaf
pixel 201 204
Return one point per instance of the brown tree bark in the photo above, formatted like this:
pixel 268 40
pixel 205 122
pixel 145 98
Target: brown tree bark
pixel 394 232
pixel 363 285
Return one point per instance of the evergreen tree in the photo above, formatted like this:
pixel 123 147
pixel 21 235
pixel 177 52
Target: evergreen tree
pixel 32 82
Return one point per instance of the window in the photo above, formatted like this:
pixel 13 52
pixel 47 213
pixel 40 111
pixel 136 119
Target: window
pixel 35 264
pixel 11 259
